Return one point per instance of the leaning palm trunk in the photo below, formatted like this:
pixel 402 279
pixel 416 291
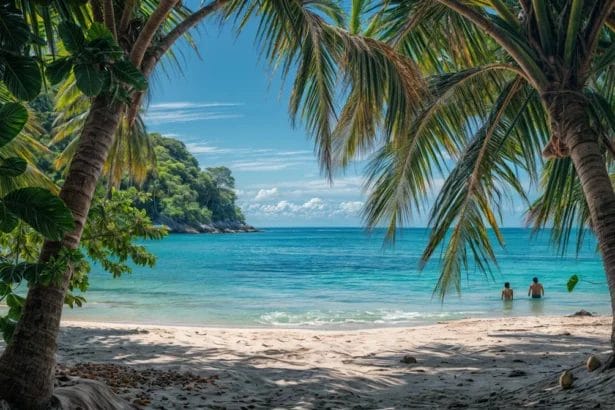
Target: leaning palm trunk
pixel 560 62
pixel 570 123
pixel 28 363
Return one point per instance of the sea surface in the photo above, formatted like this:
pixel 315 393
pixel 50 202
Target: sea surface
pixel 333 278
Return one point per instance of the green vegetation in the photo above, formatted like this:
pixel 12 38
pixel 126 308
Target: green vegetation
pixel 469 90
pixel 185 198
pixel 114 223
pixel 33 208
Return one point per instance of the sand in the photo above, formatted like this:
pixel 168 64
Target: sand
pixel 473 363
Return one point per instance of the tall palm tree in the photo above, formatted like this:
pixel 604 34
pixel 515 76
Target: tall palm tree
pixel 132 153
pixel 507 82
pixel 27 364
pixel 293 33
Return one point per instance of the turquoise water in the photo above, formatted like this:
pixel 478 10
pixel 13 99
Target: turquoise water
pixel 331 278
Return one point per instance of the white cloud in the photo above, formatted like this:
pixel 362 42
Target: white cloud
pixel 312 208
pixel 259 165
pixel 266 194
pixel 201 148
pixel 351 208
pixel 289 153
pixel 156 118
pixel 341 187
pixel 280 207
pixel 185 111
pixel 284 207
pixel 186 104
pixel 314 204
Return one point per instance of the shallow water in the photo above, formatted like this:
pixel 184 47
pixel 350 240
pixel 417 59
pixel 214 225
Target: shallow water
pixel 332 278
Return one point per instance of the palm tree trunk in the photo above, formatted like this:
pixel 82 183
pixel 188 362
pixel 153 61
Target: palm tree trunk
pixel 570 122
pixel 28 362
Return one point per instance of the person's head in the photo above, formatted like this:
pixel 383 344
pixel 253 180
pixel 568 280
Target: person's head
pixel 507 285
pixel 535 280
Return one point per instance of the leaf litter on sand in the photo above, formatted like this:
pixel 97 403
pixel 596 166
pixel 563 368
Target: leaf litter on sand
pixel 137 385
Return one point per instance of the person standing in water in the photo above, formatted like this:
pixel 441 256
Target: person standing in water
pixel 536 290
pixel 507 292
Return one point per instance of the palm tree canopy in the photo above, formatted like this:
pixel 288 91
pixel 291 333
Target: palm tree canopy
pixel 492 68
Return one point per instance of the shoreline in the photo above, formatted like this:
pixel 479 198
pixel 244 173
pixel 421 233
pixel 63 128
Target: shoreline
pixel 340 327
pixel 456 363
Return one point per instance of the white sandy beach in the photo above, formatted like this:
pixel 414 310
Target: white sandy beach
pixel 473 363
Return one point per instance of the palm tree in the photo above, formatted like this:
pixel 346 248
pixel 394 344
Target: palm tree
pixel 27 364
pixel 507 81
pixel 293 33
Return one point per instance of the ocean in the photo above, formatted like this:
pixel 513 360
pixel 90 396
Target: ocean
pixel 333 278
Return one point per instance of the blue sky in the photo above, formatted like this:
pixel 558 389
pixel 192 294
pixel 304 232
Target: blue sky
pixel 231 109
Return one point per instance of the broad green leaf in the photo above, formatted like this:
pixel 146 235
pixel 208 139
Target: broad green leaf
pixel 15 313
pixel 10 273
pixel 103 50
pixel 14 32
pixel 13 117
pixel 572 282
pixel 98 31
pixel 72 36
pixel 12 167
pixel 89 79
pixel 128 73
pixel 7 328
pixel 72 300
pixel 7 221
pixel 13 300
pixel 42 210
pixel 22 76
pixel 59 69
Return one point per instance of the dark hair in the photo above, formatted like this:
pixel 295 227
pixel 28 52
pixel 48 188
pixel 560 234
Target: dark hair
pixel 506 285
pixel 535 280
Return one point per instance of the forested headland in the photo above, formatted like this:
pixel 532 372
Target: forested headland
pixel 187 199
pixel 174 191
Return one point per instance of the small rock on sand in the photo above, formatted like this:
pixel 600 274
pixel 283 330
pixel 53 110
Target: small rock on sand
pixel 582 312
pixel 566 379
pixel 408 359
pixel 517 373
pixel 593 363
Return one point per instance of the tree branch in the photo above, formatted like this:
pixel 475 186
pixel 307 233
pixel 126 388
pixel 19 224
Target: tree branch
pixel 525 61
pixel 156 52
pixel 97 13
pixel 189 22
pixel 109 17
pixel 595 25
pixel 152 25
pixel 505 12
pixel 129 7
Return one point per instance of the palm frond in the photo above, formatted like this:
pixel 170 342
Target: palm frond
pixel 561 206
pixel 401 175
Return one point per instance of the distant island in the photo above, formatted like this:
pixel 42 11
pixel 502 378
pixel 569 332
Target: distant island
pixel 187 199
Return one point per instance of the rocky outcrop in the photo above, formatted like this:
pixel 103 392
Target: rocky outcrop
pixel 214 227
pixel 228 227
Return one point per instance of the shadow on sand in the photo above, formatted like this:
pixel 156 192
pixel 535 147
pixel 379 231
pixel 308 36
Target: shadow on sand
pixel 522 372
